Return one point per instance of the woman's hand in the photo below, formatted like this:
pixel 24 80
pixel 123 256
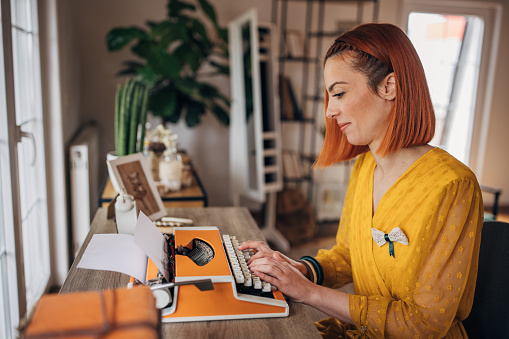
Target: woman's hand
pixel 277 270
pixel 263 251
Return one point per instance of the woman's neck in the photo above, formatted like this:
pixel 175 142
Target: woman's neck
pixel 397 163
pixel 389 168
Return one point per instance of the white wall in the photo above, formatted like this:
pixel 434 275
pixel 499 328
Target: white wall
pixel 208 143
pixel 496 160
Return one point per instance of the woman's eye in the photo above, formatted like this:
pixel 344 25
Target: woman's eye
pixel 338 95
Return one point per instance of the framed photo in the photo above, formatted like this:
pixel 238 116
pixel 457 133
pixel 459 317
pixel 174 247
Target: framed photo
pixel 132 174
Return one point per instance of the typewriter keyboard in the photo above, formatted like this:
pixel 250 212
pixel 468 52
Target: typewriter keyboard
pixel 246 281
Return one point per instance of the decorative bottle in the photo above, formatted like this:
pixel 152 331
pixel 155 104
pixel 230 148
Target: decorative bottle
pixel 170 168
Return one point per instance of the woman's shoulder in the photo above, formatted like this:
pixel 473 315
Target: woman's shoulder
pixel 443 169
pixel 450 165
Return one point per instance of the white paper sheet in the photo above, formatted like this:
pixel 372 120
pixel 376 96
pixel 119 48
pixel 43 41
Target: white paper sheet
pixel 151 241
pixel 115 252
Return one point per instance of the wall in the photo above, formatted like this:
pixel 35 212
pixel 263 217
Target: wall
pixel 496 161
pixel 209 142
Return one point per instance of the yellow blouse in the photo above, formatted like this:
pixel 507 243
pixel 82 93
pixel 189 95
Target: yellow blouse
pixel 428 287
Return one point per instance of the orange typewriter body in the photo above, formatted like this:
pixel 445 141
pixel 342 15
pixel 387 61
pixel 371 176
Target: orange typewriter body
pixel 221 303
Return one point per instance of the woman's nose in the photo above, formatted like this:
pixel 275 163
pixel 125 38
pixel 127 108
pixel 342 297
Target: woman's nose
pixel 331 112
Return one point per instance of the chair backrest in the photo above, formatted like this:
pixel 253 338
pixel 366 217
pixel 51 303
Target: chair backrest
pixel 490 314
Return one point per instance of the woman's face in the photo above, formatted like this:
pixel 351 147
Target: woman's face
pixel 360 113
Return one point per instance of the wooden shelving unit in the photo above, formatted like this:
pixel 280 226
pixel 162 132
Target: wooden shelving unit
pixel 317 34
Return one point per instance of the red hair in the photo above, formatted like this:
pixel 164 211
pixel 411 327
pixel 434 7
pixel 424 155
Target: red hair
pixel 378 50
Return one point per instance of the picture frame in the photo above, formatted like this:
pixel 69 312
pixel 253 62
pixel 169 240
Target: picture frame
pixel 132 173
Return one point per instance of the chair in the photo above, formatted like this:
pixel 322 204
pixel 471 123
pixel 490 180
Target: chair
pixel 490 315
pixel 496 195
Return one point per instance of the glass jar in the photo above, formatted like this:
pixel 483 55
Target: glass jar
pixel 170 169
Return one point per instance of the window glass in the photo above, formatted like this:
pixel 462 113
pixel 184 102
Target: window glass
pixel 449 47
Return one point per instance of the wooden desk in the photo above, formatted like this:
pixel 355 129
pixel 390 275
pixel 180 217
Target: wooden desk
pixel 190 196
pixel 230 220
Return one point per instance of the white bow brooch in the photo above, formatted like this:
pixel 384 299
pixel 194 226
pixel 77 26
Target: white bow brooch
pixel 396 235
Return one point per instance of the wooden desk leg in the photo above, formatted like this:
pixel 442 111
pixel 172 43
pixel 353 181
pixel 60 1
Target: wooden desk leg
pixel 269 230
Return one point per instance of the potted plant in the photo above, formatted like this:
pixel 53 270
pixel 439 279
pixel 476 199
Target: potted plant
pixel 131 101
pixel 174 57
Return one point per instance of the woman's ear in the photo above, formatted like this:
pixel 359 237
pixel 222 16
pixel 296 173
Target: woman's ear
pixel 387 88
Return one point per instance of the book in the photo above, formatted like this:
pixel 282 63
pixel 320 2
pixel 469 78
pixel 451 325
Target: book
pixel 286 101
pixel 297 113
pixel 292 165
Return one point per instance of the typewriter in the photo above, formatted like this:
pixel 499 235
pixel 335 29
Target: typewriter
pixel 196 256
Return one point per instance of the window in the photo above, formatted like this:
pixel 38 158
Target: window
pixel 480 38
pixel 24 240
pixel 450 50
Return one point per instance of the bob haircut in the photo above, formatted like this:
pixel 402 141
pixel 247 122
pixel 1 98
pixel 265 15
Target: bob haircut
pixel 378 50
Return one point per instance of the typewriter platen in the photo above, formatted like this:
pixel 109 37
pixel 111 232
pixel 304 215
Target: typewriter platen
pixel 199 253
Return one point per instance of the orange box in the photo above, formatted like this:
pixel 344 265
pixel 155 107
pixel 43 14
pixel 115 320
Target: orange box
pixel 111 314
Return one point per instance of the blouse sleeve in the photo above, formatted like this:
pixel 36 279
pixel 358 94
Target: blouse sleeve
pixel 444 288
pixel 336 263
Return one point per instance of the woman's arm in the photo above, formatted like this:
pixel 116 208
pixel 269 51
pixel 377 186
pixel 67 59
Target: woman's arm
pixel 277 271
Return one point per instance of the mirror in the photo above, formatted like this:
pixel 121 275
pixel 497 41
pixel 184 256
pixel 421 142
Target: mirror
pixel 246 146
pixel 255 137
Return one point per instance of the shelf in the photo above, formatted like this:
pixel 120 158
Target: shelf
pixel 301 179
pixel 314 97
pixel 307 120
pixel 298 59
pixel 331 34
pixel 333 1
pixel 307 131
pixel 310 158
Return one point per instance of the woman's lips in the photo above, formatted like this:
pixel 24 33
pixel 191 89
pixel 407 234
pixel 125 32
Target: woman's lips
pixel 343 126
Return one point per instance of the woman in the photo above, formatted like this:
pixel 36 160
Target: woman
pixel 409 233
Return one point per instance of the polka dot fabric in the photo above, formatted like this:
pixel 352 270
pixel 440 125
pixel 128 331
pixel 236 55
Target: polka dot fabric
pixel 428 287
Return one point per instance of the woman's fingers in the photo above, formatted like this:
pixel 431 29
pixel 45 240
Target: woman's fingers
pixel 278 272
pixel 261 249
pixel 255 245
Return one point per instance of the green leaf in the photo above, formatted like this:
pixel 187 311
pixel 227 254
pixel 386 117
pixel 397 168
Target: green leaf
pixel 208 9
pixel 195 109
pixel 207 91
pixel 221 114
pixel 163 102
pixel 177 6
pixel 126 71
pixel 223 33
pixel 223 69
pixel 133 64
pixel 177 112
pixel 187 86
pixel 175 32
pixel 186 53
pixel 168 65
pixel 142 48
pixel 118 38
pixel 211 92
pixel 199 32
pixel 160 28
pixel 147 74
